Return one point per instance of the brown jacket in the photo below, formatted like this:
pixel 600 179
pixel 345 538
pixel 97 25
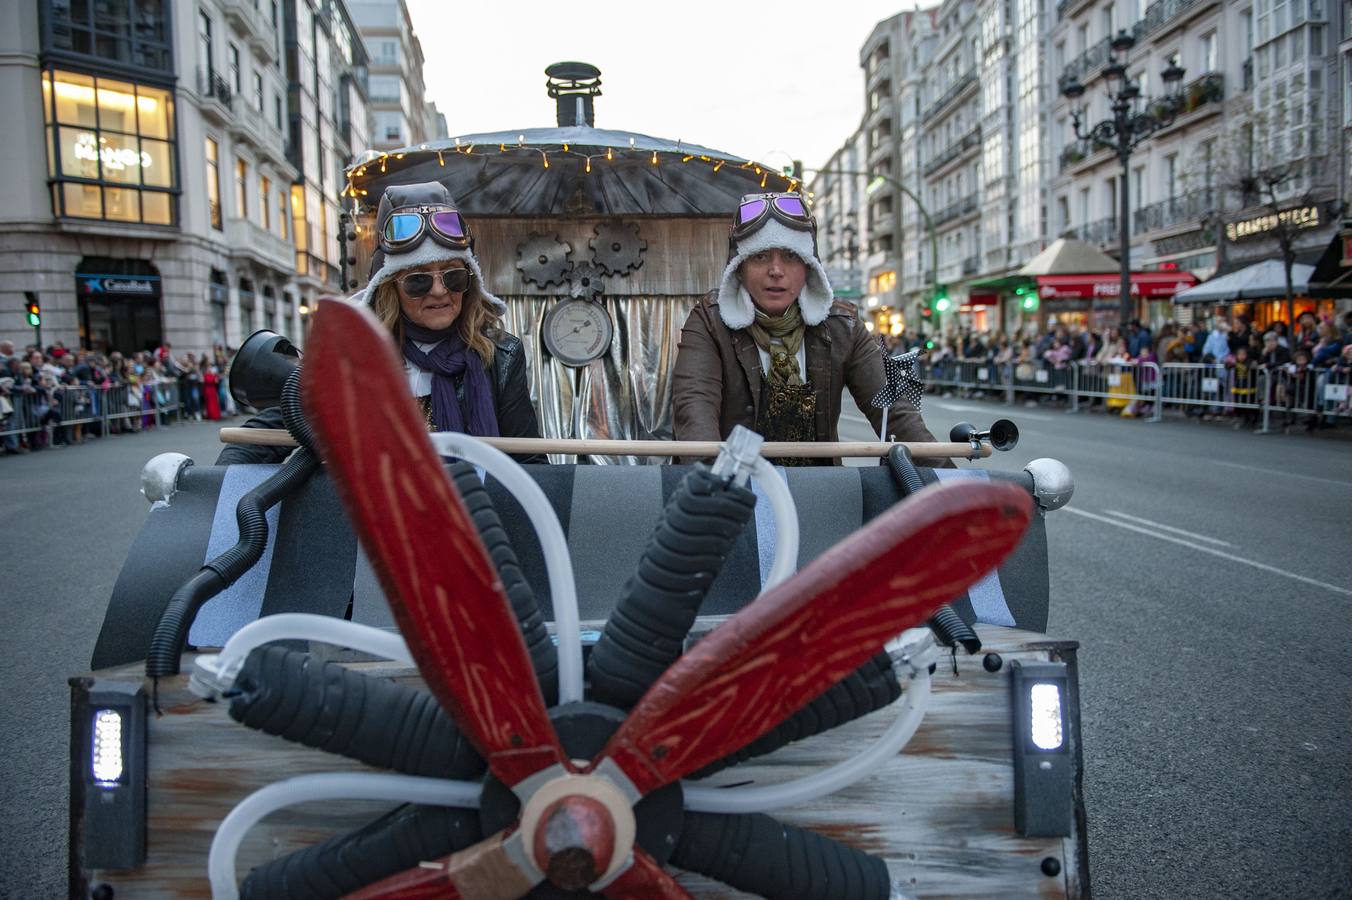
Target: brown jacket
pixel 717 381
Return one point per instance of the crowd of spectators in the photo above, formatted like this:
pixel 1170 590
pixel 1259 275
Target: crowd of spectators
pixel 1235 355
pixel 59 396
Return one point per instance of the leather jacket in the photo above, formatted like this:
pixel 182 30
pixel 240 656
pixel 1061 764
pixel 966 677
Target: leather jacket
pixel 717 380
pixel 511 402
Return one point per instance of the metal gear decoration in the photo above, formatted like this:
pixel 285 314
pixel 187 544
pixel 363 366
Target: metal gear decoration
pixel 543 259
pixel 617 248
pixel 585 281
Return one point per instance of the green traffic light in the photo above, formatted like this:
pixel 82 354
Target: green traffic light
pixel 34 321
pixel 1030 302
pixel 929 345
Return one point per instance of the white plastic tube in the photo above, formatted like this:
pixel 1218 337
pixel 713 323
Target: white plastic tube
pixel 216 673
pixel 812 787
pixel 786 522
pixel 558 564
pixel 333 786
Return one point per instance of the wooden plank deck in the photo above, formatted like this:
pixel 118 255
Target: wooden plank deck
pixel 940 813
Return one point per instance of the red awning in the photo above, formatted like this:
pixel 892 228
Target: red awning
pixel 983 300
pixel 1150 285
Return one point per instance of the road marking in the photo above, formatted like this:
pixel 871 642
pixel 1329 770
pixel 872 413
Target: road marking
pixel 1235 465
pixel 1212 550
pixel 1012 413
pixel 1192 534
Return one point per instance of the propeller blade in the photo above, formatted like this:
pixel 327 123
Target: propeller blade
pixel 482 872
pixel 799 638
pixel 441 584
pixel 644 880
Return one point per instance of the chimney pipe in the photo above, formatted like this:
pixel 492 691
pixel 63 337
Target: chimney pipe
pixel 572 85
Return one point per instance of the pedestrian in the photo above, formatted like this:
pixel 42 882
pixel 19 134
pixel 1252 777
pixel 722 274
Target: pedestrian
pixel 466 371
pixel 769 349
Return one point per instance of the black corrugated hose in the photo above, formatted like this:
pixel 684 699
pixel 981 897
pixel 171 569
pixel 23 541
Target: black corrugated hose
pixel 171 632
pixel 543 656
pixel 325 705
pixel 646 631
pixel 946 624
pixel 867 689
pixel 398 840
pixel 760 855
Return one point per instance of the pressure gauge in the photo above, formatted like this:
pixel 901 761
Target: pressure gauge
pixel 577 331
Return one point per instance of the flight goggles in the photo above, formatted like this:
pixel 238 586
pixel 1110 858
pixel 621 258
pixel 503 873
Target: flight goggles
pixel 406 228
pixel 756 209
pixel 419 284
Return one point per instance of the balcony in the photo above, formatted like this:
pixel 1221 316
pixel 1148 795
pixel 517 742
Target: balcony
pixel 964 207
pixel 1077 152
pixel 1102 232
pixel 970 266
pixel 1176 211
pixel 954 151
pixel 251 22
pixel 252 241
pixel 1209 88
pixel 1248 74
pixel 956 90
pixel 253 127
pixel 1158 16
pixel 215 94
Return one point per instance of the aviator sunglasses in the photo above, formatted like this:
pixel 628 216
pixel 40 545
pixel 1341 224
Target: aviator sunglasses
pixel 407 228
pixel 755 209
pixel 419 284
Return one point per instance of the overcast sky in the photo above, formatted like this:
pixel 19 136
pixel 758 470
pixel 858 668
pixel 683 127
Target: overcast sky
pixel 778 84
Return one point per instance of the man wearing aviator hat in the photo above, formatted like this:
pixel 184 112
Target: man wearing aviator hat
pixel 466 372
pixel 770 349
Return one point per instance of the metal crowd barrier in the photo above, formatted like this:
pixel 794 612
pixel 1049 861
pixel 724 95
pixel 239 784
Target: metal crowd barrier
pixel 1146 389
pixel 65 406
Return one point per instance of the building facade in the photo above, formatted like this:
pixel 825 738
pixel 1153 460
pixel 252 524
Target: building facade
pixel 164 170
pixel 1257 132
pixel 401 115
pixel 840 203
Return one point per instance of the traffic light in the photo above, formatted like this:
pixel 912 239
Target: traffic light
pixel 1028 298
pixel 941 301
pixel 34 312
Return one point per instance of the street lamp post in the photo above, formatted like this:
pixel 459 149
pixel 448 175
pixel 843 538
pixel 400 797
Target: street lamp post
pixel 1127 128
pixel 877 180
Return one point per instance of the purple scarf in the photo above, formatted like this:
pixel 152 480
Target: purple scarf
pixel 447 361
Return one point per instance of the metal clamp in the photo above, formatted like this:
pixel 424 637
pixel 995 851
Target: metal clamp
pixel 738 456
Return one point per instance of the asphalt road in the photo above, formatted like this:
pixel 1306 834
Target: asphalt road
pixel 1204 572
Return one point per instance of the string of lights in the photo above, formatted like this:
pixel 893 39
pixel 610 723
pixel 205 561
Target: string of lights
pixel 357 172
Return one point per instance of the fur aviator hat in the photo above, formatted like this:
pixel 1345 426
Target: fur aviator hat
pixel 385 266
pixel 734 302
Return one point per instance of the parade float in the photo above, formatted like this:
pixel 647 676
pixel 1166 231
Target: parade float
pixel 402 665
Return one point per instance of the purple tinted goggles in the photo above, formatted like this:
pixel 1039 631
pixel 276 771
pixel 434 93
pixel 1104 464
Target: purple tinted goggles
pixel 755 209
pixel 407 227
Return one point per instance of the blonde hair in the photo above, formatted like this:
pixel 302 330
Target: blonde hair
pixel 478 323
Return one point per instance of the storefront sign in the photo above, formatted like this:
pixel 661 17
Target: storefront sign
pixel 120 285
pixel 1150 285
pixel 114 159
pixel 1297 217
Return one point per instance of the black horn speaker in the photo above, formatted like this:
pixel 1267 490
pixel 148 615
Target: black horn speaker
pixel 260 369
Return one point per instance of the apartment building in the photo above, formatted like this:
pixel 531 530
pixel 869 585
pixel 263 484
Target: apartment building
pixel 1258 96
pixel 840 203
pixel 401 115
pixel 178 167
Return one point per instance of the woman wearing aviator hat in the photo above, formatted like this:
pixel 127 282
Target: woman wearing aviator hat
pixel 466 372
pixel 770 349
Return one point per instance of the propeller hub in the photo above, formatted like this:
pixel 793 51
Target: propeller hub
pixel 575 841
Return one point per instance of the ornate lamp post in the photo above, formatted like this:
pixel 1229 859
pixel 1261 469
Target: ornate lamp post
pixel 1128 127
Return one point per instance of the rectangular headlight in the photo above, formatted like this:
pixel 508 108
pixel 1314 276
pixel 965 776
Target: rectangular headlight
pixel 1043 764
pixel 108 773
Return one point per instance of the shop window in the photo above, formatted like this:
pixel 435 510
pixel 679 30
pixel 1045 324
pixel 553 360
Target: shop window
pixel 110 150
pixel 213 153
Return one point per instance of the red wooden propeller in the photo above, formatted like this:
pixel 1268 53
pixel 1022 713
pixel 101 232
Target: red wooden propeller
pixel 763 664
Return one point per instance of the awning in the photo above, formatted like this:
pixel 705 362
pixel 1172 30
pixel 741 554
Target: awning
pixel 1096 285
pixel 1332 275
pixel 1264 280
